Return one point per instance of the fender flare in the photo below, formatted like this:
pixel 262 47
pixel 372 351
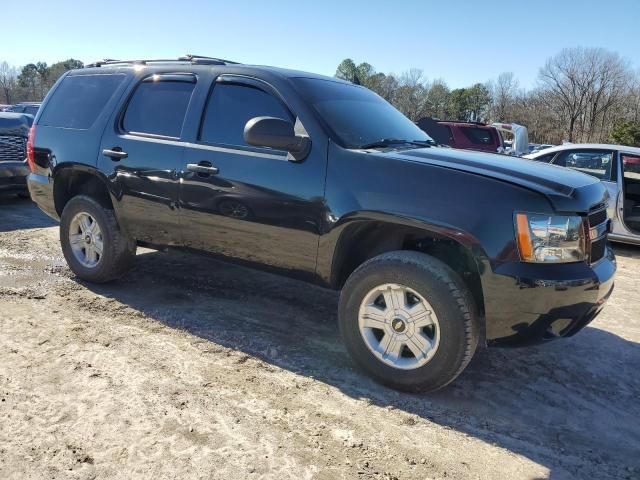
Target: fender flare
pixel 76 167
pixel 336 240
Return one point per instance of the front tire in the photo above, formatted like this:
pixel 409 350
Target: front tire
pixel 95 248
pixel 409 321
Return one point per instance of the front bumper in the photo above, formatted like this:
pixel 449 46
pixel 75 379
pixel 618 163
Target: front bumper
pixel 13 176
pixel 529 303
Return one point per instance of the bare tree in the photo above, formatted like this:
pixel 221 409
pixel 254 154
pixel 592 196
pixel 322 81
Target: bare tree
pixel 581 85
pixel 563 86
pixel 8 77
pixel 503 95
pixel 410 97
pixel 438 99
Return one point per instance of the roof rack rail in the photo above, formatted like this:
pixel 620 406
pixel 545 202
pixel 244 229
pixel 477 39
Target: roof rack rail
pixel 188 58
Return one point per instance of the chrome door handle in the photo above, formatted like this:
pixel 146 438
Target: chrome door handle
pixel 206 169
pixel 115 154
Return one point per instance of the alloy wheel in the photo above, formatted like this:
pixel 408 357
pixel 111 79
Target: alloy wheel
pixel 399 326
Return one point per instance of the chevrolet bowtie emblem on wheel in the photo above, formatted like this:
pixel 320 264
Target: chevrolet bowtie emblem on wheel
pixel 398 325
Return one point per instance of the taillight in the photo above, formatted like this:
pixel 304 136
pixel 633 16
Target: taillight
pixel 31 160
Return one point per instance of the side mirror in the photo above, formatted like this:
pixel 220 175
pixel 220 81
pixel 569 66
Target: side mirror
pixel 276 133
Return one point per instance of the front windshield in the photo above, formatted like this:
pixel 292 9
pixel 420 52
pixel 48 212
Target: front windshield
pixel 355 115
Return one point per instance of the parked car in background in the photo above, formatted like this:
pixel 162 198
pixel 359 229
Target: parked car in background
pixel 30 108
pixel 466 135
pixel 536 147
pixel 618 168
pixel 14 130
pixel 321 179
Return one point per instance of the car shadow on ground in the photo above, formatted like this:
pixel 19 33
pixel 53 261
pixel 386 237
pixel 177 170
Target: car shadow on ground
pixel 18 213
pixel 560 404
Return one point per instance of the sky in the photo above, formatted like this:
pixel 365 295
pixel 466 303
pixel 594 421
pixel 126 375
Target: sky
pixel 462 42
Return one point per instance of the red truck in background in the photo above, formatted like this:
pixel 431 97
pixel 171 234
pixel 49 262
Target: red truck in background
pixel 477 135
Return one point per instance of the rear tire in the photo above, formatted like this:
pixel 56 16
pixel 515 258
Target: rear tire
pixel 385 341
pixel 116 250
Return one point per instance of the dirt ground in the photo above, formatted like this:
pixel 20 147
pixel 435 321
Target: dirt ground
pixel 190 368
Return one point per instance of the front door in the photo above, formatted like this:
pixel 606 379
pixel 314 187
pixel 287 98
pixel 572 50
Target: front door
pixel 245 202
pixel 142 153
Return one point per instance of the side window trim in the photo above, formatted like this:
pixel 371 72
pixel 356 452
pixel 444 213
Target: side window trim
pixel 160 77
pixel 248 82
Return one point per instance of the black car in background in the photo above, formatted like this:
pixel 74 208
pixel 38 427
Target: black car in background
pixel 14 132
pixel 433 249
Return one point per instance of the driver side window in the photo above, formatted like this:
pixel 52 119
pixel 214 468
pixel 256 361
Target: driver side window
pixel 230 107
pixel 597 163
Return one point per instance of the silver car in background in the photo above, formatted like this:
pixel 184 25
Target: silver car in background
pixel 618 167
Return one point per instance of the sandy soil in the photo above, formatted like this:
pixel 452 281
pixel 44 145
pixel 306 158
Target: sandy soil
pixel 190 368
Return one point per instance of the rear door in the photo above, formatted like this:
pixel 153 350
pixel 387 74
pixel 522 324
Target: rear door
pixel 253 203
pixel 141 152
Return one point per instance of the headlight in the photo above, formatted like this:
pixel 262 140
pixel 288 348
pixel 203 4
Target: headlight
pixel 550 239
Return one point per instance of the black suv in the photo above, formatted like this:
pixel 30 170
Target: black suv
pixel 433 249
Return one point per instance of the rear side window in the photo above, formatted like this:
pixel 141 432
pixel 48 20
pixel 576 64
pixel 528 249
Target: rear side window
pixel 229 109
pixel 79 99
pixel 158 108
pixel 478 136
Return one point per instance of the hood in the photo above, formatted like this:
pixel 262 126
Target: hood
pixel 562 186
pixel 15 123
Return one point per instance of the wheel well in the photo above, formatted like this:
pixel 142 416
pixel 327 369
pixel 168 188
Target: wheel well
pixel 70 183
pixel 369 239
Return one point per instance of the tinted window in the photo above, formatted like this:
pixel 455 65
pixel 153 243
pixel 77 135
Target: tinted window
pixel 478 136
pixel 229 109
pixel 158 108
pixel 355 115
pixel 597 163
pixel 78 100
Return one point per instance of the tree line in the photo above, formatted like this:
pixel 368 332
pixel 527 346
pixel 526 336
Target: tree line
pixel 581 95
pixel 31 82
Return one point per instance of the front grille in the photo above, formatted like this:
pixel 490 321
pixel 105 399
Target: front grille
pixel 597 215
pixel 13 148
pixel 598 218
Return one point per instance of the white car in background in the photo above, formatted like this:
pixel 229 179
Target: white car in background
pixel 618 167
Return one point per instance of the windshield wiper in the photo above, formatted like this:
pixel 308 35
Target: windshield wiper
pixel 388 142
pixel 423 143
